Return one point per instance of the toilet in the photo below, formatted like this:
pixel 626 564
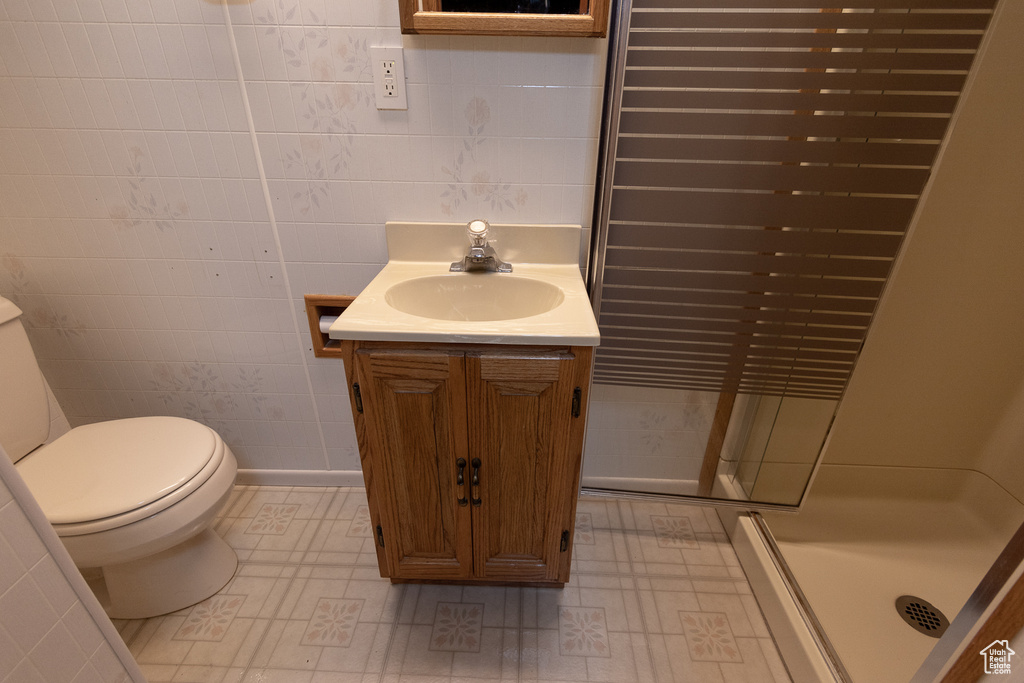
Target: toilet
pixel 132 500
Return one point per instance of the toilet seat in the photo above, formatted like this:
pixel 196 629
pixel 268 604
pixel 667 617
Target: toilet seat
pixel 109 474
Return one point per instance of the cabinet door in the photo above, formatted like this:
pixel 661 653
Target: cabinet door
pixel 414 403
pixel 521 431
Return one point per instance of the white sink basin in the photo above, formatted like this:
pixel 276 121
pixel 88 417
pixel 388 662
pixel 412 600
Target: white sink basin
pixel 474 297
pixel 416 299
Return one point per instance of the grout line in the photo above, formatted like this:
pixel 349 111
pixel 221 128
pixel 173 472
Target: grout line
pixel 286 592
pixel 403 594
pixel 332 498
pixel 519 634
pixel 636 587
pixel 272 220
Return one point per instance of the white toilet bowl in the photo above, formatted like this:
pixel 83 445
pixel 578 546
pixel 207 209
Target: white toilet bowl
pixel 132 500
pixel 135 498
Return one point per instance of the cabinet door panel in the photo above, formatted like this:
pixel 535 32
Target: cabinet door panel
pixel 519 414
pixel 416 416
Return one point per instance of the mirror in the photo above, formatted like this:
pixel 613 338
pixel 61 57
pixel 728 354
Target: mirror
pixel 583 18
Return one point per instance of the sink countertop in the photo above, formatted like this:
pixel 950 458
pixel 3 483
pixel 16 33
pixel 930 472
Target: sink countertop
pixel 548 253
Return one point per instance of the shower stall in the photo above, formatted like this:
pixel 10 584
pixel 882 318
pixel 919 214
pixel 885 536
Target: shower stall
pixel 921 485
pixel 804 228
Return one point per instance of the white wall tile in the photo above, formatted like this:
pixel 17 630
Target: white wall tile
pixel 79 44
pixel 11 55
pixel 175 52
pixel 53 99
pixel 128 52
pixel 10 105
pixel 12 155
pixel 151 52
pixel 19 10
pixel 102 43
pixel 61 60
pixel 66 11
pixel 32 102
pixel 35 50
pixel 43 623
pixel 153 162
pixel 32 156
pixel 115 10
pixel 165 12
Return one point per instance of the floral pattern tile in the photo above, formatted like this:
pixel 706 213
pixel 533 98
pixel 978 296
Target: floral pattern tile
pixel 493 193
pixel 584 529
pixel 457 627
pixel 710 637
pixel 583 631
pixel 360 522
pixel 210 619
pixel 333 623
pixel 272 519
pixel 329 617
pixel 674 532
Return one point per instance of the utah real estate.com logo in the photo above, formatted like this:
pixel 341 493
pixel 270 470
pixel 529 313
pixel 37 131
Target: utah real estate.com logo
pixel 997 657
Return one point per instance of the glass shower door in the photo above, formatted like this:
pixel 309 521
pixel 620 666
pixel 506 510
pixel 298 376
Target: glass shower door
pixel 761 162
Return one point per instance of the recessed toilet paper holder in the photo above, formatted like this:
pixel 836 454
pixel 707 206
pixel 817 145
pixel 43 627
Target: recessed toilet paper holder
pixel 320 309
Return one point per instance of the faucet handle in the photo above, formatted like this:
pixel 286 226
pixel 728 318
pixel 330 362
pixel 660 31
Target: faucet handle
pixel 478 232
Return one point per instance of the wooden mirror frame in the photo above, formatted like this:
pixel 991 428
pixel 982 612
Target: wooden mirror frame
pixel 591 22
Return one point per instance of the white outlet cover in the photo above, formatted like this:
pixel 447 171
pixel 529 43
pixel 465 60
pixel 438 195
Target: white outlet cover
pixel 388 77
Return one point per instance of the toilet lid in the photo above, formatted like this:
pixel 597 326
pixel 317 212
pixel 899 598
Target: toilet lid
pixel 110 468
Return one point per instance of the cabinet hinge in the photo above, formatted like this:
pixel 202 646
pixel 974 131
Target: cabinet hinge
pixel 577 399
pixel 564 545
pixel 359 399
pixel 380 536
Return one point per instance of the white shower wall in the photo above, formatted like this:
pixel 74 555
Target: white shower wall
pixel 645 439
pixel 160 274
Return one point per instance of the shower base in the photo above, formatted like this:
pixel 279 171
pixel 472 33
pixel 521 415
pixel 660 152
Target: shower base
pixel 866 536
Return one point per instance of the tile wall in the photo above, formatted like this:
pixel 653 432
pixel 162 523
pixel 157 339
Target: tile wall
pixel 174 175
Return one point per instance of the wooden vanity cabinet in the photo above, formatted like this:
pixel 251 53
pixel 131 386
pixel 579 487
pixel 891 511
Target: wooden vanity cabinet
pixel 471 456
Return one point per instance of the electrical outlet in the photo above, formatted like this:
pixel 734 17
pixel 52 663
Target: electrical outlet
pixel 388 77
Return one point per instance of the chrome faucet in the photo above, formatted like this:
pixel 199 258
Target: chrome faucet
pixel 481 255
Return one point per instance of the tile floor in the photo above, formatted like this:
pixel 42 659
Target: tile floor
pixel 656 595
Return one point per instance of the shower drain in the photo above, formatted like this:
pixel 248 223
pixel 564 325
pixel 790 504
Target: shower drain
pixel 922 615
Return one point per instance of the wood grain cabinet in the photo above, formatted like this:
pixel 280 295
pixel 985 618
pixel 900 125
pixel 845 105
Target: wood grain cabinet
pixel 471 456
pixel 587 18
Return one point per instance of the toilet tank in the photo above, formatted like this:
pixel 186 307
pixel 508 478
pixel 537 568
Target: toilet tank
pixel 24 408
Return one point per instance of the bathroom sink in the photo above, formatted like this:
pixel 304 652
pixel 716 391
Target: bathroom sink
pixel 415 298
pixel 474 297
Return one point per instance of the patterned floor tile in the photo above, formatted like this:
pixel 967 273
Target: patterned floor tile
pixel 273 545
pixel 709 637
pixel 674 532
pixel 584 530
pixel 360 526
pixel 411 654
pixel 333 622
pixel 656 594
pixel 215 636
pixel 272 518
pixel 583 631
pixel 210 619
pixel 457 627
pixel 345 537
